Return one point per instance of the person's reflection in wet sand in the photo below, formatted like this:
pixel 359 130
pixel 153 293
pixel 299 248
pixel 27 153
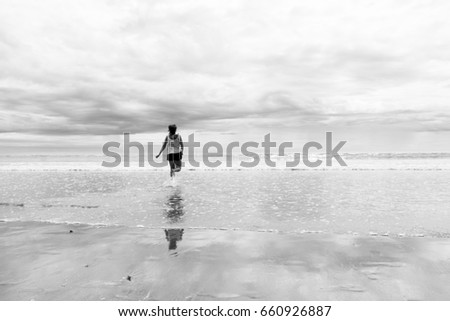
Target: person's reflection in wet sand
pixel 174 213
pixel 174 235
pixel 175 206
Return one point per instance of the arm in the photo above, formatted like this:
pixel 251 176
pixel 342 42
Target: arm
pixel 181 145
pixel 162 148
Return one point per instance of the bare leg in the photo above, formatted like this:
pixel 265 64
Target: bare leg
pixel 172 168
pixel 177 166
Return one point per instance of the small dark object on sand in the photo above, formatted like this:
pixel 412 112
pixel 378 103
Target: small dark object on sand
pixel 87 265
pixel 129 278
pixel 70 231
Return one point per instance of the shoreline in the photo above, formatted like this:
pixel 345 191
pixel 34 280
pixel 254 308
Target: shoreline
pixel 369 234
pixel 45 261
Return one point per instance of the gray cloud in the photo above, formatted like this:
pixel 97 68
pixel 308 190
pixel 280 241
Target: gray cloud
pixel 107 67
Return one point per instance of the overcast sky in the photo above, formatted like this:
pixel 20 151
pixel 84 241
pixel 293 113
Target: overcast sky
pixel 76 73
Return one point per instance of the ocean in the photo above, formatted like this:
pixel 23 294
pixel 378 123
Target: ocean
pixel 376 194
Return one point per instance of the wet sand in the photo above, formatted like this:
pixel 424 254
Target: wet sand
pixel 43 261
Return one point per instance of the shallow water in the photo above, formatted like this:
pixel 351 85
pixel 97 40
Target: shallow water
pixel 413 203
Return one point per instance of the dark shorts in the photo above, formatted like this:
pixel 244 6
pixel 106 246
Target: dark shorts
pixel 176 157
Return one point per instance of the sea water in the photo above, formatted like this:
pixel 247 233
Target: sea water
pixel 377 194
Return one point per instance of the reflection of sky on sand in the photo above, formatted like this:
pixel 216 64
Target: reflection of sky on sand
pixel 224 265
pixel 217 265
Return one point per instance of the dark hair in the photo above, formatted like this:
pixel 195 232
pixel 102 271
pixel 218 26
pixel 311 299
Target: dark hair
pixel 172 129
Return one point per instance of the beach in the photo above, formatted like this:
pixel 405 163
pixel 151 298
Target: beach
pixel 225 235
pixel 45 261
pixel 308 143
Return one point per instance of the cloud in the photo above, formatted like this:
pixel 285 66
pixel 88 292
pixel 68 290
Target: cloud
pixel 104 67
